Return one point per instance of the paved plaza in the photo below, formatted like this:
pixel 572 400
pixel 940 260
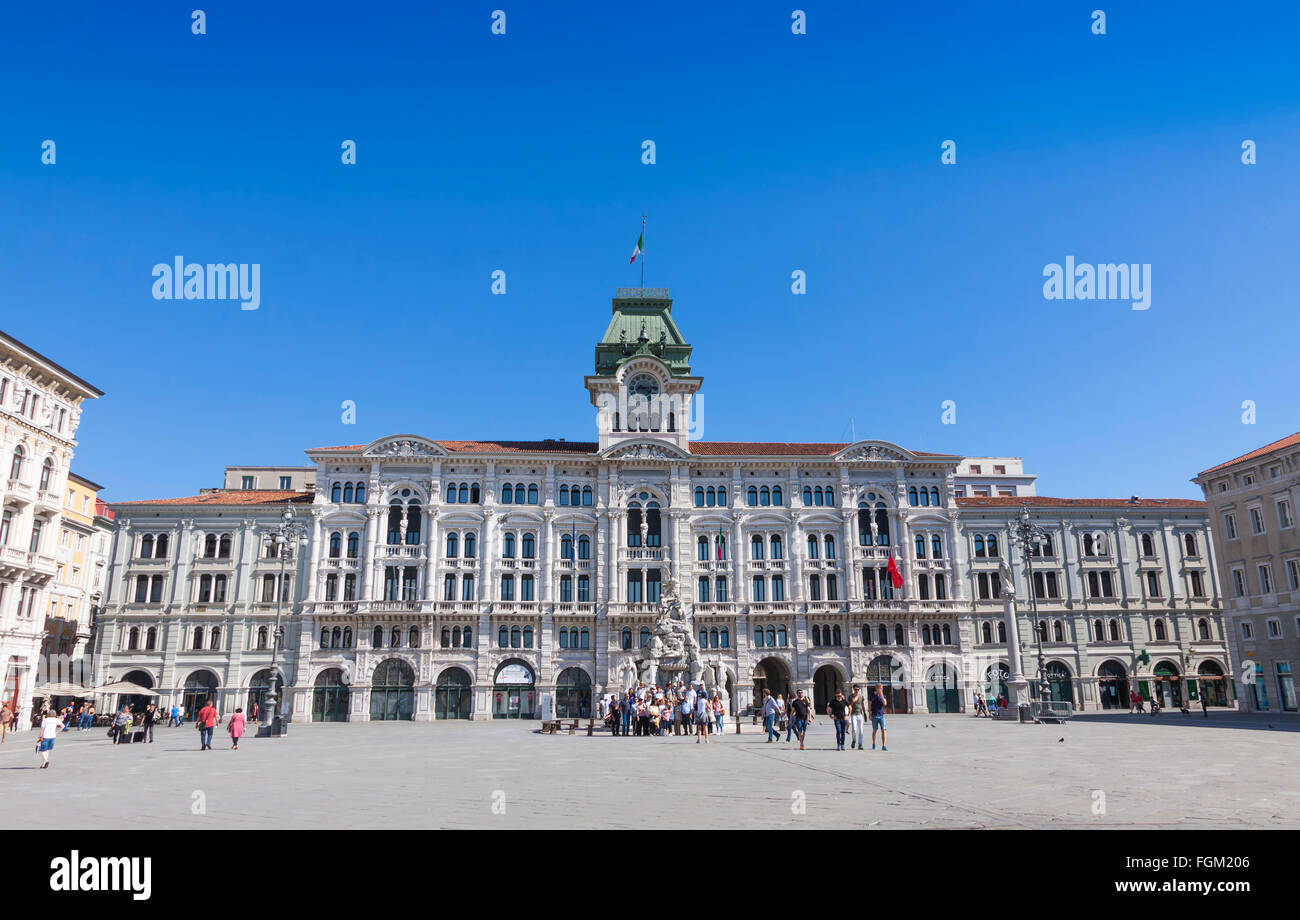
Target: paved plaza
pixel 940 771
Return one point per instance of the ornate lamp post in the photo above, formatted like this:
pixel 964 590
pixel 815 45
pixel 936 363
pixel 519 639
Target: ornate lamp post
pixel 1026 536
pixel 288 534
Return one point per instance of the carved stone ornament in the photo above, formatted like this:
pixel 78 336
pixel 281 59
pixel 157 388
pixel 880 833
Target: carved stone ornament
pixel 874 453
pixel 643 452
pixel 402 447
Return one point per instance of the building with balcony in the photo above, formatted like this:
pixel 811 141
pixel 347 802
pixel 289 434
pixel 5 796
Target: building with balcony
pixel 466 578
pixel 40 409
pixel 1252 503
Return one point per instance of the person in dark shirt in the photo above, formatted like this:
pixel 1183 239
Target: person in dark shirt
pixel 800 716
pixel 838 710
pixel 877 708
pixel 150 717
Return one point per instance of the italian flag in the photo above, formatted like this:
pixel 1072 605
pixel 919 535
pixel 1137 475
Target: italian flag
pixel 640 247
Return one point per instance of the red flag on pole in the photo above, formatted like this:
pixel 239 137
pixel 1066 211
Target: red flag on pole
pixel 894 575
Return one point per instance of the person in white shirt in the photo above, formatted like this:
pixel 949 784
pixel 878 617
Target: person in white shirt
pixel 51 725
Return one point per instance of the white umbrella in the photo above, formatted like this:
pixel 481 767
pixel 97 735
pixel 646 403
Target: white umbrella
pixel 125 686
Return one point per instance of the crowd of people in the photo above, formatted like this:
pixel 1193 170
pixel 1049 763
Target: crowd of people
pixel 849 716
pixel 680 709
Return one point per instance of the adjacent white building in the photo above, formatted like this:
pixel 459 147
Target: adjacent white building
pixel 464 579
pixel 40 409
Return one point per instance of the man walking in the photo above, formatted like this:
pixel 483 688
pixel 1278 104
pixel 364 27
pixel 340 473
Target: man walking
pixel 858 713
pixel 769 716
pixel 207 722
pixel 51 725
pixel 877 708
pixel 702 720
pixel 838 710
pixel 800 716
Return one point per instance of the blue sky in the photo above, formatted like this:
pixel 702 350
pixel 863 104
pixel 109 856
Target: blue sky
pixel 775 152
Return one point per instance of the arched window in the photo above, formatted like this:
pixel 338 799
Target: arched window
pixel 1058 631
pixel 529 546
pixel 507 494
pixel 781 635
pixel 627 640
pixel 898 634
pixel 712 497
pixel 722 496
pixel 16 465
pixel 764 496
pixel 1148 545
pixel 751 496
pixel 508 546
pixel 645 636
pixel 1114 630
pixel 210 546
pixel 986 633
pixel 336 545
pixel 347 637
pixel 1189 543
pixel 771 636
pixel 584 547
pixel 756 547
pixel 133 639
pixel 1161 635
pixel 934 496
pixel 347 494
pixel 532 493
pixel 912 497
pixel 776 496
pixel 451 493
pixel 336 493
pixel 361 493
pixel 936 546
pixel 829 543
pixel 223 546
pixel 699 496
pixel 1002 632
pixel 564 495
pixel 925 634
pixel 216 638
pixel 444 638
pixel 564 637
pixel 807 495
pixel 47 471
pixel 586 496
pixel 702 549
pixel 160 547
pixel 470 545
pixel 775 544
pixel 414 639
pixel 1203 629
pixel 920 546
pixel 979 545
pixel 377 637
pixel 817 635
pixel 724 638
pixel 832 588
pixel 566 546
pixel 1098 631
pixel 812 546
pixel 503 637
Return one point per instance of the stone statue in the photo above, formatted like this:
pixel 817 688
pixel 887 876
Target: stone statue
pixel 1008 580
pixel 672 655
pixel 645 530
pixel 871 521
pixel 404 523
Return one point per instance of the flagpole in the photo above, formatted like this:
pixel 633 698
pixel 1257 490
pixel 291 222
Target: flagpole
pixel 643 255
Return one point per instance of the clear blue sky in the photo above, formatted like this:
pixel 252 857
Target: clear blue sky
pixel 776 152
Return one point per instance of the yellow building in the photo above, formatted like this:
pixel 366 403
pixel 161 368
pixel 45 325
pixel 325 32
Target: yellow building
pixel 81 558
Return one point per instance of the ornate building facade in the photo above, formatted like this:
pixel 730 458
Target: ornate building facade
pixel 471 579
pixel 40 409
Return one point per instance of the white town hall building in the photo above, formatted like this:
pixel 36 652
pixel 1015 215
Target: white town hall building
pixel 468 579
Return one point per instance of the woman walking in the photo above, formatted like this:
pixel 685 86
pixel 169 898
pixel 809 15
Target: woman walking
pixel 51 725
pixel 236 728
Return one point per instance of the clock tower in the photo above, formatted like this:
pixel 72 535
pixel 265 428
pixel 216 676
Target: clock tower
pixel 642 388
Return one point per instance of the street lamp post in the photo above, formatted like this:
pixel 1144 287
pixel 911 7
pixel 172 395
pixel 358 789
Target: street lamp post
pixel 287 533
pixel 1026 535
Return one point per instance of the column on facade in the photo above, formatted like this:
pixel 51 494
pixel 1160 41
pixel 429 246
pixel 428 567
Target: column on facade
pixel 487 555
pixel 313 590
pixel 849 553
pixel 906 553
pixel 957 564
pixel 1121 561
pixel 369 552
pixel 431 545
pixel 797 550
pixel 545 551
pixel 735 556
pixel 182 563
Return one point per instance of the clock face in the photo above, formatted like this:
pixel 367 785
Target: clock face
pixel 643 385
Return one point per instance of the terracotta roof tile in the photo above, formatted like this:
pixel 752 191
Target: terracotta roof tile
pixel 1289 441
pixel 230 497
pixel 511 447
pixel 765 448
pixel 1042 501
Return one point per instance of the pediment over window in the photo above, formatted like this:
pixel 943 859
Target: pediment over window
pixel 647 450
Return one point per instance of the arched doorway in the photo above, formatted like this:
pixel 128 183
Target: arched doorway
pixel 1060 685
pixel 573 694
pixel 200 687
pixel 885 672
pixel 330 697
pixel 514 692
pixel 392 692
pixel 1112 685
pixel 941 689
pixel 1168 684
pixel 1213 688
pixel 453 698
pixel 772 675
pixel 258 688
pixel 137 701
pixel 826 680
pixel 995 683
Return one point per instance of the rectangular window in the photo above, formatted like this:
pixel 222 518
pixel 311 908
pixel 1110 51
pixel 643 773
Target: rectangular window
pixel 6 521
pixel 1292 573
pixel 1198 585
pixel 584 589
pixel 449 588
pixel 1265 579
pixel 566 589
pixel 975 468
pixel 759 589
pixel 1153 584
pixel 35 546
pixel 778 588
pixel 1247 629
pixel 1284 514
pixel 526 588
pixel 634 587
pixel 1256 521
pixel 286 483
pixel 998 468
pixel 467 588
pixel 1230 526
pixel 1274 627
pixel 720 589
pixel 247 482
pixel 1238 583
pixel 652 586
pixel 1285 686
pixel 507 587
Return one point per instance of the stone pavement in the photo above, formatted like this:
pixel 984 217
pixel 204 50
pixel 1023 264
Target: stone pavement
pixel 1231 771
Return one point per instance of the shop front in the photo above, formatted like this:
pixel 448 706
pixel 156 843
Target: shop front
pixel 514 692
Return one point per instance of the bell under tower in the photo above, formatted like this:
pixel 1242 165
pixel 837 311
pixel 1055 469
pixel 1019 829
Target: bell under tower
pixel 642 388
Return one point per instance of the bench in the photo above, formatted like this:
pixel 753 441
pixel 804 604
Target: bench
pixel 573 727
pixel 550 728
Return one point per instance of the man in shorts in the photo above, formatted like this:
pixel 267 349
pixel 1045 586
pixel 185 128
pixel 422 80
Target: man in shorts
pixel 51 725
pixel 877 708
pixel 800 716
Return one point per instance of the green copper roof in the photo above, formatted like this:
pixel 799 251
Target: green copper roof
pixel 642 324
